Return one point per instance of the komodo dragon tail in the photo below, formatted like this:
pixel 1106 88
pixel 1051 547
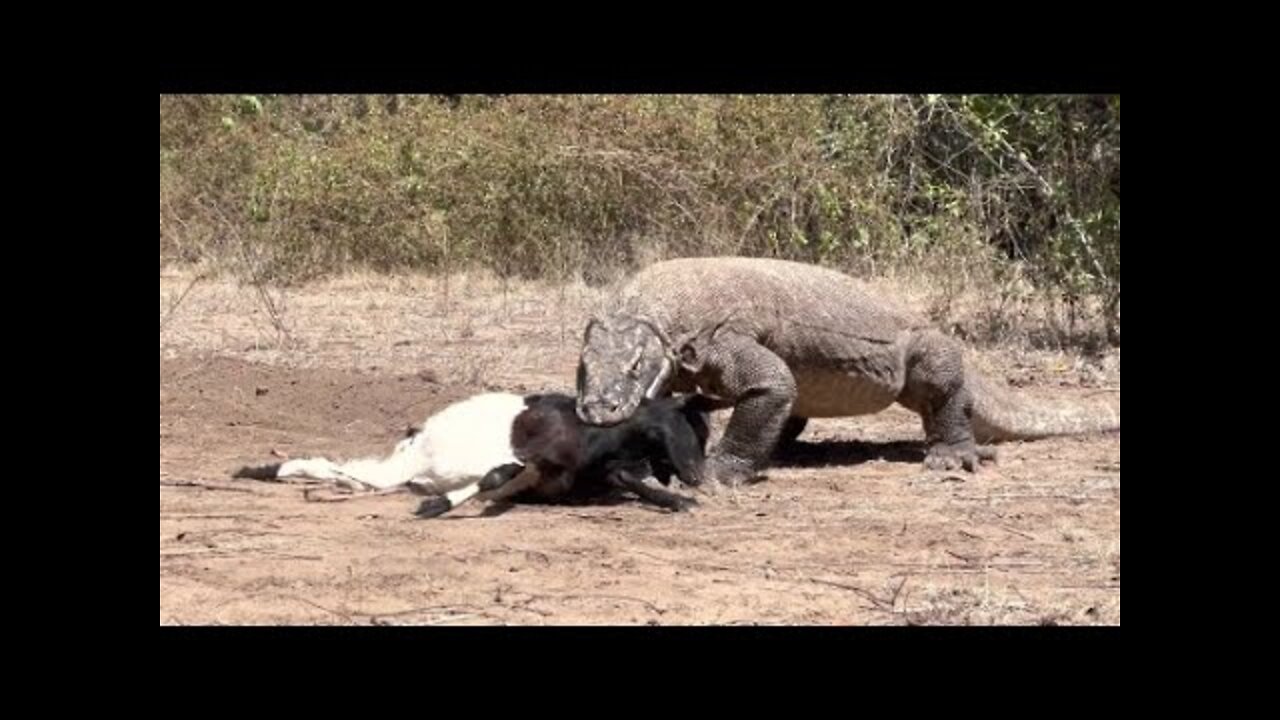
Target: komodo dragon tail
pixel 999 413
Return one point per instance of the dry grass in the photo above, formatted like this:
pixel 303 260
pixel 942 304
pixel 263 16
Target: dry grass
pixel 477 329
pixel 541 186
pixel 467 329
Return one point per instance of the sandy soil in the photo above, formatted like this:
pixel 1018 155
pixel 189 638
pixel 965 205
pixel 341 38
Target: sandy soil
pixel 848 529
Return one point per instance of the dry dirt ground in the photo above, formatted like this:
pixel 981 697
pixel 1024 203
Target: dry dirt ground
pixel 850 529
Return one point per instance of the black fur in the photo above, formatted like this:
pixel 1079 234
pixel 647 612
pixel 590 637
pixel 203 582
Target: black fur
pixel 434 506
pixel 575 460
pixel 258 472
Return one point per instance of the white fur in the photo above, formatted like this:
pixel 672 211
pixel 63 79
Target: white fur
pixel 455 448
pixel 463 494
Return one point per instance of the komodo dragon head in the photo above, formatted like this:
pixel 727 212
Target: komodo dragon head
pixel 624 360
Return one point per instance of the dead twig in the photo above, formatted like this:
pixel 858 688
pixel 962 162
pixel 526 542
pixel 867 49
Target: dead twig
pixel 451 619
pixel 228 516
pixel 879 602
pixel 173 306
pixel 206 486
pixel 311 494
pixel 1019 533
pixel 275 310
pixel 452 613
pixel 337 613
pixel 225 552
pixel 1033 496
pixel 594 596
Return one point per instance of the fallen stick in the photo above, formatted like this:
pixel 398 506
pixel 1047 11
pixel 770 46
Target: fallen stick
pixel 206 486
pixel 311 494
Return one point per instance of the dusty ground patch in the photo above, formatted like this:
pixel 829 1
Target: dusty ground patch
pixel 850 529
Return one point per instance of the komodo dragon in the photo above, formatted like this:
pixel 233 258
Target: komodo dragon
pixel 782 342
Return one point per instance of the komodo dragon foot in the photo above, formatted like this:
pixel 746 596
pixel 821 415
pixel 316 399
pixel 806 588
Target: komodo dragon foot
pixel 948 457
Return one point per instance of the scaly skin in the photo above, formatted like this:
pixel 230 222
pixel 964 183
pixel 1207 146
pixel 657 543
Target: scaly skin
pixel 783 342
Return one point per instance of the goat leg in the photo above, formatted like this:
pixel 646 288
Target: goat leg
pixel 496 484
pixel 656 496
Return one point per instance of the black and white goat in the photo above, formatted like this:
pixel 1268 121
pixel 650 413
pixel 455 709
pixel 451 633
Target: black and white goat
pixel 504 446
pixel 558 457
pixel 454 448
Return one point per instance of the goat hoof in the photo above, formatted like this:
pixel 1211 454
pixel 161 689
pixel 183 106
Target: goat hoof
pixel 258 472
pixel 684 505
pixel 434 507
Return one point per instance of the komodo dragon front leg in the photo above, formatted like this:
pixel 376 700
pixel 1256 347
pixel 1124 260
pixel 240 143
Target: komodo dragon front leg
pixel 762 390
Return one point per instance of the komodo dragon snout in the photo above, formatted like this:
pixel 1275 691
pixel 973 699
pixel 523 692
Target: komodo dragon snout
pixel 625 361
